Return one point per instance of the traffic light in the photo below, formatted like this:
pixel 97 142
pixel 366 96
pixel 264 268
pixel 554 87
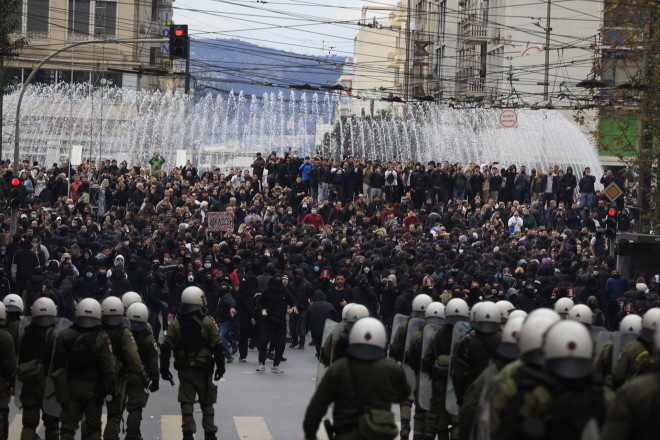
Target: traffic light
pixel 179 41
pixel 611 223
pixel 16 193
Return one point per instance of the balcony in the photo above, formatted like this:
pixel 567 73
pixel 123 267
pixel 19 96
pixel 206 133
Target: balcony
pixel 472 87
pixel 396 59
pixel 475 32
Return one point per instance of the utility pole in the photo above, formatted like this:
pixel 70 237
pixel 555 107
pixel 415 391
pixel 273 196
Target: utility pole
pixel 187 81
pixel 409 33
pixel 546 79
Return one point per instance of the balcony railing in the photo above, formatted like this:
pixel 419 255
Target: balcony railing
pixel 472 87
pixel 475 32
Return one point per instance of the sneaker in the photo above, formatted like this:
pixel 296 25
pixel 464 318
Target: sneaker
pixel 293 345
pixel 301 347
pixel 261 368
pixel 276 370
pixel 242 360
pixel 234 347
pixel 271 355
pixel 230 360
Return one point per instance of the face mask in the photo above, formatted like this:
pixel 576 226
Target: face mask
pixel 126 243
pixel 196 250
pixel 366 270
pixel 34 217
pixel 304 206
pixel 267 254
pixel 132 263
pixel 71 206
pixel 290 212
pixel 316 268
pixel 207 265
pixel 314 211
pixel 102 275
pixel 197 265
pixel 119 263
pixel 191 278
pixel 89 274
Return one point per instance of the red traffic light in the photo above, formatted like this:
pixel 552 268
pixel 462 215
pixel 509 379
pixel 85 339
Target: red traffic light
pixel 178 32
pixel 15 181
pixel 611 212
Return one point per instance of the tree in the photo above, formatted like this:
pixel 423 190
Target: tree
pixel 9 46
pixel 625 89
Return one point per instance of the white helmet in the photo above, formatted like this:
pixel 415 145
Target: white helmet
pixel 3 314
pixel 13 303
pixel 518 314
pixel 344 311
pixel 435 310
pixel 456 310
pixel 44 312
pixel 544 311
pixel 192 299
pixel 357 311
pixel 419 305
pixel 129 298
pixel 473 309
pixel 506 308
pixel 508 348
pixel 530 341
pixel 88 313
pixel 581 313
pixel 487 318
pixel 568 349
pixel 563 306
pixel 631 324
pixel 138 314
pixel 112 311
pixel 650 324
pixel 367 340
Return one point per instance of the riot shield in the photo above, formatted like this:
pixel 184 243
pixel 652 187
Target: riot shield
pixel 396 323
pixel 425 383
pixel 595 331
pixel 481 425
pixel 50 404
pixel 604 338
pixel 63 323
pixel 461 329
pixel 330 325
pixel 25 322
pixel 619 341
pixel 414 325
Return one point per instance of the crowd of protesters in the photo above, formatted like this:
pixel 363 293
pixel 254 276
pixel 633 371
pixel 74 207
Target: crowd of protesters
pixel 334 231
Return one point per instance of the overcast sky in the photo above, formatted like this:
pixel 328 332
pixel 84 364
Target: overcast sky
pixel 303 26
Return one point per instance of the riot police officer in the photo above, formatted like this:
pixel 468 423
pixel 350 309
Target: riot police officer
pixel 14 307
pixel 83 371
pixel 7 373
pixel 359 384
pixel 194 339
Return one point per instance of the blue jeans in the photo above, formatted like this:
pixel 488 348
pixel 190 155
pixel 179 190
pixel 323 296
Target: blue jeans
pixel 586 200
pixel 459 193
pixel 225 328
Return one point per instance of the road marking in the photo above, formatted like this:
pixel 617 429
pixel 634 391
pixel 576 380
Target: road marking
pixel 252 428
pixel 170 427
pixel 321 435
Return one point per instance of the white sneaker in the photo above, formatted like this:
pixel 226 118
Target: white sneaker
pixel 276 370
pixel 261 368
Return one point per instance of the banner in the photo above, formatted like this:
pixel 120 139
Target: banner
pixel 220 221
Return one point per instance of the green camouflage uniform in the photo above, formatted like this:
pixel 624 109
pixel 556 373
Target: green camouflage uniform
pixel 414 360
pixel 334 347
pixel 7 374
pixel 505 387
pixel 436 362
pixel 634 360
pixel 136 395
pixel 34 354
pixel 634 413
pixel 603 365
pixel 381 383
pixel 83 370
pixel 194 340
pixel 397 350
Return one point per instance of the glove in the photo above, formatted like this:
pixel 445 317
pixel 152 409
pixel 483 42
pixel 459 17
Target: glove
pixel 219 370
pixel 154 386
pixel 166 375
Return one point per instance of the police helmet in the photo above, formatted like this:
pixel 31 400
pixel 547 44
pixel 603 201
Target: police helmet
pixel 3 314
pixel 581 313
pixel 129 298
pixel 631 324
pixel 518 314
pixel 435 310
pixel 508 348
pixel 44 312
pixel 419 305
pixel 138 314
pixel 192 299
pixel 355 312
pixel 650 324
pixel 456 310
pixel 367 340
pixel 530 341
pixel 543 311
pixel 112 311
pixel 88 313
pixel 13 303
pixel 487 318
pixel 563 306
pixel 506 308
pixel 344 311
pixel 568 349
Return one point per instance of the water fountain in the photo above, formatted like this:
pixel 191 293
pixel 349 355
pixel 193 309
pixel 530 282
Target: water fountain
pixel 215 129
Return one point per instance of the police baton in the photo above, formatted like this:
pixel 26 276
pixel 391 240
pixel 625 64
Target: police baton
pixel 329 429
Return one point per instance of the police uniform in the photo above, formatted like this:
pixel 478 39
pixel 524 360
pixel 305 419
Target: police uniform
pixel 413 358
pixel 136 396
pixel 397 352
pixel 436 362
pixel 634 360
pixel 634 413
pixel 194 340
pixel 35 350
pixel 86 355
pixel 7 374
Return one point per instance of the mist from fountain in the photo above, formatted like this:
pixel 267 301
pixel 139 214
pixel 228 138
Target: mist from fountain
pixel 129 125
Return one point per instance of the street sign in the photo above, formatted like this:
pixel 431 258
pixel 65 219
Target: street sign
pixel 220 221
pixel 613 191
pixel 508 118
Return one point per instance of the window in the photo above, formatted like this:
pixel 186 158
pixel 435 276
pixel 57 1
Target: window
pixel 79 16
pixel 37 15
pixel 105 18
pixel 17 16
